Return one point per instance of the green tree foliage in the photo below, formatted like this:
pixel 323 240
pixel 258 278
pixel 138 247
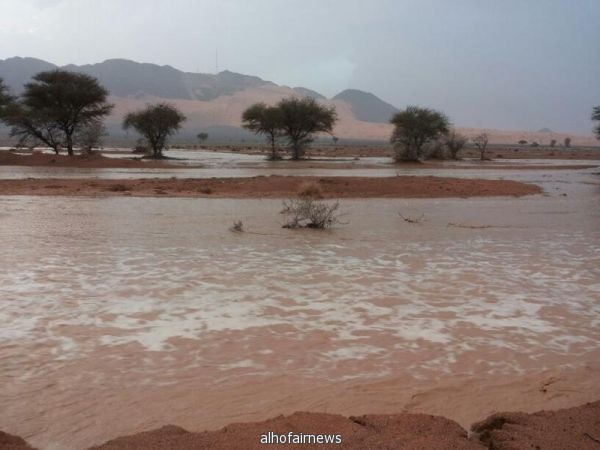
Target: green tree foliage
pixel 596 118
pixel 55 105
pixel 156 123
pixel 5 98
pixel 264 120
pixel 301 119
pixel 297 120
pixel 414 127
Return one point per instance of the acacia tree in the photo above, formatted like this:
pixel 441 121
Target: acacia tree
pixel 567 142
pixel 5 98
pixel 455 142
pixel 596 118
pixel 414 127
pixel 55 105
pixel 202 136
pixel 481 142
pixel 156 123
pixel 301 119
pixel 265 120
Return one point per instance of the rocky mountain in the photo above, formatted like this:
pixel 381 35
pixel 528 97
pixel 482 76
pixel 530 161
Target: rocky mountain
pixel 366 106
pixel 211 102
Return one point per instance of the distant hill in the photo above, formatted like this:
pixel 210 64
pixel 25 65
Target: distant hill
pixel 18 71
pixel 214 103
pixel 366 106
pixel 124 78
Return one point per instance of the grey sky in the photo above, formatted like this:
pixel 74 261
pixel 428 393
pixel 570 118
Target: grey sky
pixel 512 64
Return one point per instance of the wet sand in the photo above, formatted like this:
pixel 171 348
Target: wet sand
pixel 273 187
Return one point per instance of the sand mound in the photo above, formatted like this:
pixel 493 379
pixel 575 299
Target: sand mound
pixel 10 442
pixel 405 431
pixel 574 428
pixel 274 187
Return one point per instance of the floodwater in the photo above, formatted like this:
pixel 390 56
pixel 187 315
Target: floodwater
pixel 125 314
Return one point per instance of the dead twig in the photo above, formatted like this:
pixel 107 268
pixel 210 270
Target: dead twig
pixel 415 220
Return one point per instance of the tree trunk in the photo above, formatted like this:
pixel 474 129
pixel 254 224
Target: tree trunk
pixel 274 155
pixel 69 145
pixel 296 151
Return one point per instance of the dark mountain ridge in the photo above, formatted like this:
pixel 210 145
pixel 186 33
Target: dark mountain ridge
pixel 130 79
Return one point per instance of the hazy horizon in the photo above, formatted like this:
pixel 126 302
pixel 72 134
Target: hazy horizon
pixel 504 66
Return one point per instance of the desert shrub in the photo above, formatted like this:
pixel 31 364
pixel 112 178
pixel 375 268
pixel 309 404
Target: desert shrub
pixel 455 142
pixel 237 227
pixel 309 212
pixel 436 150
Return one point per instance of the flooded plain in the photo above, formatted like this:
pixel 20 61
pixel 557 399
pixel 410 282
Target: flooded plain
pixel 125 314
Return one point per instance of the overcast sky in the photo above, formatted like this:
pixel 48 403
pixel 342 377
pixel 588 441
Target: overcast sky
pixel 509 64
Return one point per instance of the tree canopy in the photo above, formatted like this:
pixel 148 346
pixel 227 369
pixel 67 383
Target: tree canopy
pixel 297 120
pixel 596 118
pixel 413 128
pixel 56 105
pixel 5 98
pixel 267 121
pixel 301 119
pixel 156 123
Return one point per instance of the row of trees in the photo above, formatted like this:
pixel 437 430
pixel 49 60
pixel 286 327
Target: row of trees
pixel 297 120
pixel 63 109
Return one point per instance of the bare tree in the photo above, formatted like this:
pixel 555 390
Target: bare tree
pixel 455 142
pixel 90 136
pixel 481 142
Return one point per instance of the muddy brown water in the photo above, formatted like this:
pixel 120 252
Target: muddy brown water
pixel 124 314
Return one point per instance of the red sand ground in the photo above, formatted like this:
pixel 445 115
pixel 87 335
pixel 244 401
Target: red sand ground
pixel 272 187
pixel 94 161
pixel 575 428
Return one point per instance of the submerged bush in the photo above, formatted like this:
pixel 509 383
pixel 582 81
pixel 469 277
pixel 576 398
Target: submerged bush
pixel 310 212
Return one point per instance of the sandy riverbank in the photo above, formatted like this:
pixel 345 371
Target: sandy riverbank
pixel 273 187
pixel 573 428
pixel 94 161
